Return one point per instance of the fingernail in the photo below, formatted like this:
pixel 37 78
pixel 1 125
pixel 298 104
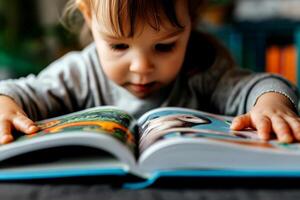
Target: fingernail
pixel 6 139
pixel 263 137
pixel 233 125
pixel 285 138
pixel 32 128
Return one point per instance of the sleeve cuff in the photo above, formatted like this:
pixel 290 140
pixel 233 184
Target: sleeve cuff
pixel 273 84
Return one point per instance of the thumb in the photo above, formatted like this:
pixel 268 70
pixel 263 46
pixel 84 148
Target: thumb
pixel 241 122
pixel 24 124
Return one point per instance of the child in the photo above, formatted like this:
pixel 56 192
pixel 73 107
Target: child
pixel 147 54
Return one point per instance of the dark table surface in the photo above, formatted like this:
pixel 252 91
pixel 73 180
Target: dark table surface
pixel 206 189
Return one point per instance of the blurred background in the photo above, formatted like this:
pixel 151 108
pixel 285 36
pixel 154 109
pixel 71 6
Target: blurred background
pixel 31 36
pixel 263 35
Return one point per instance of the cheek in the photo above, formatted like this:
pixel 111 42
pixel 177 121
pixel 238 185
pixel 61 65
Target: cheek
pixel 113 66
pixel 114 69
pixel 171 66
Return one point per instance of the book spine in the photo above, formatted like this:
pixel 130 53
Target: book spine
pixel 297 43
pixel 273 59
pixel 236 46
pixel 260 49
pixel 288 63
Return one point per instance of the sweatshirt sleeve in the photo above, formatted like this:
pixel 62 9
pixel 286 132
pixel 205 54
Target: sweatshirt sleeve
pixel 225 88
pixel 238 97
pixel 235 91
pixel 60 88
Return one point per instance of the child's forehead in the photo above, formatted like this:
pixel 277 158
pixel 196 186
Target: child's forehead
pixel 165 30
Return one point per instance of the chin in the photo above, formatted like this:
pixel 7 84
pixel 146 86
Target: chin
pixel 141 96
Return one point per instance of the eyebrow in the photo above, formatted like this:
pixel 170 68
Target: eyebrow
pixel 108 36
pixel 172 34
pixel 168 35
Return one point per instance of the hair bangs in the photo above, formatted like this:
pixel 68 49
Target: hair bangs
pixel 122 17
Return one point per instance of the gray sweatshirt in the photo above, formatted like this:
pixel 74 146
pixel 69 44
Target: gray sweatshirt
pixel 208 81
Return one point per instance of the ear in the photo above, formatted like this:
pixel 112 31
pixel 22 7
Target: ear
pixel 85 10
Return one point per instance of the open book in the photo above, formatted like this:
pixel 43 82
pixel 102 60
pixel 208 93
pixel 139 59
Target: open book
pixel 162 142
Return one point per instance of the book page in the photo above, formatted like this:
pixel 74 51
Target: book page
pixel 103 120
pixel 104 127
pixel 167 123
pixel 177 138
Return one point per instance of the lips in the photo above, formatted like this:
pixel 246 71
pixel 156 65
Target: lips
pixel 142 88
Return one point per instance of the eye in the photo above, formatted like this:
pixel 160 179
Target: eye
pixel 119 47
pixel 165 47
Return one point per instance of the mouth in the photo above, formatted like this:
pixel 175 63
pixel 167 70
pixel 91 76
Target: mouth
pixel 142 88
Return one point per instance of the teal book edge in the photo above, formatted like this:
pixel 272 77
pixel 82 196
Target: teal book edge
pixel 12 176
pixel 25 175
pixel 212 174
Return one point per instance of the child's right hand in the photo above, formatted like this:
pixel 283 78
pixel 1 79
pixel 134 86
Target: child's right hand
pixel 13 117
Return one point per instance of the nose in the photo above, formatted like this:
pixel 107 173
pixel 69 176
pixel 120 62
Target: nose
pixel 141 64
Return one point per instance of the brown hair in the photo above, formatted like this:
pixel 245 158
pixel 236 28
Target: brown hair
pixel 116 12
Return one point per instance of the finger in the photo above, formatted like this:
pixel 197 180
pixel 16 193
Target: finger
pixel 241 122
pixel 263 126
pixel 282 129
pixel 294 124
pixel 5 132
pixel 24 124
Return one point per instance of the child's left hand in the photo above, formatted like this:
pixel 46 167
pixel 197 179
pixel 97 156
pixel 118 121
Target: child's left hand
pixel 272 114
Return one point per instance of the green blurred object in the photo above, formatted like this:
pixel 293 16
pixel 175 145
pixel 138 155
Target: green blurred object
pixel 25 44
pixel 230 38
pixel 18 48
pixel 220 2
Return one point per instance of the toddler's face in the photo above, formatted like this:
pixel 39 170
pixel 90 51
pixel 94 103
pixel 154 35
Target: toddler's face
pixel 148 61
